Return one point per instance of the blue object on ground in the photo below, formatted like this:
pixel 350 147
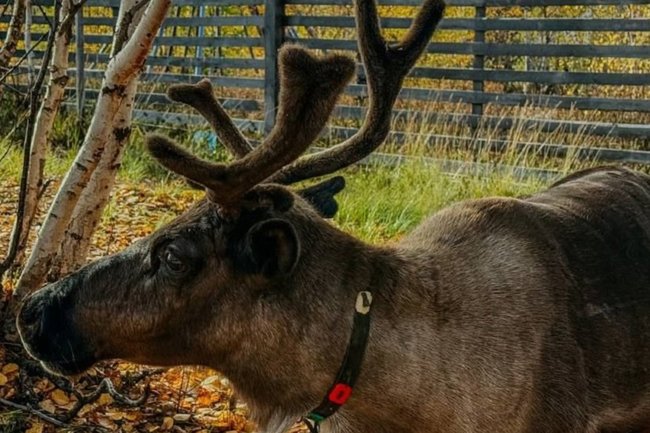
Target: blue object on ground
pixel 208 137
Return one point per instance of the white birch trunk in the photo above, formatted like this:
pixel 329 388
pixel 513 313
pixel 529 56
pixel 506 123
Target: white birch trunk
pixel 95 197
pixel 122 70
pixel 43 127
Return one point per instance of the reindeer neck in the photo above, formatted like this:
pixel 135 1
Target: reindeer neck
pixel 299 350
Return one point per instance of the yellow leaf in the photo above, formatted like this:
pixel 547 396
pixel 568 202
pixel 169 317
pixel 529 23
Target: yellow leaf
pixel 115 416
pixel 60 397
pixel 3 379
pixel 168 423
pixel 131 416
pixel 36 427
pixel 107 423
pixel 105 399
pixel 48 406
pixel 10 368
pixel 44 385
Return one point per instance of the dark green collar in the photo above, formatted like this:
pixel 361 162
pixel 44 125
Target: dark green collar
pixel 340 391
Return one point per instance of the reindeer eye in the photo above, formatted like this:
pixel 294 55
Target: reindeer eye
pixel 172 261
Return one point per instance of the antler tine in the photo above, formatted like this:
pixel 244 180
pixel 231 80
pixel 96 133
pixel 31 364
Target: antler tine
pixel 386 67
pixel 309 88
pixel 200 96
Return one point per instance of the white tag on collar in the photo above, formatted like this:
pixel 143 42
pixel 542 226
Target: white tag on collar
pixel 364 301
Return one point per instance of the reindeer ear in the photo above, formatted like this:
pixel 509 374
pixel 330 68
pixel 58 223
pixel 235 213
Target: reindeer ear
pixel 321 196
pixel 273 248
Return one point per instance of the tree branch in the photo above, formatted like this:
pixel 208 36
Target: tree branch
pixel 34 412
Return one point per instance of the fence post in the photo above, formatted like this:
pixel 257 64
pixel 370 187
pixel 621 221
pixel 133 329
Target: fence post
pixel 479 60
pixel 273 33
pixel 80 63
pixel 198 70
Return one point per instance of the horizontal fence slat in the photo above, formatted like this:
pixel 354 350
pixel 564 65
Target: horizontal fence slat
pixel 88 21
pixel 116 3
pixel 245 125
pixel 493 49
pixel 221 21
pixel 510 24
pixel 551 101
pixel 544 125
pixel 187 41
pixel 468 3
pixel 541 77
pixel 215 62
pixel 480 3
pixel 174 40
pixel 250 83
pixel 503 24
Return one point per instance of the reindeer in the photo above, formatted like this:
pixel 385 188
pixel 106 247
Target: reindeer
pixel 509 315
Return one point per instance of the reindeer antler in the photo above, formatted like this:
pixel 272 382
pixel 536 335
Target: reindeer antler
pixel 309 87
pixel 200 96
pixel 386 67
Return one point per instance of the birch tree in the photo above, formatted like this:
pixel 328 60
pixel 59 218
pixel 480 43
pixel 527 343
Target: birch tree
pixel 135 36
pixel 45 122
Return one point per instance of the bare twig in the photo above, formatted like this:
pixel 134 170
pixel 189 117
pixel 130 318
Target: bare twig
pixel 34 412
pixel 4 155
pixel 22 58
pixel 4 8
pixel 33 111
pixel 43 189
pixel 13 90
pixel 105 386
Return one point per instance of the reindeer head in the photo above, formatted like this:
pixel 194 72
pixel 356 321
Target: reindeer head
pixel 245 258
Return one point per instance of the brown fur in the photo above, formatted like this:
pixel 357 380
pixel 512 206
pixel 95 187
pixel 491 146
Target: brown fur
pixel 495 315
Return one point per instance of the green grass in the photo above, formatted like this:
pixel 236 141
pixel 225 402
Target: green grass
pixel 381 203
pixel 378 203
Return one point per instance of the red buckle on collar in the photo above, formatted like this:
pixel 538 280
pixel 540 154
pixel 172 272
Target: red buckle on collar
pixel 340 394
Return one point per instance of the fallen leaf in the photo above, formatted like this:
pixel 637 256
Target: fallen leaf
pixel 36 427
pixel 48 406
pixel 10 368
pixel 59 397
pixel 168 423
pixel 3 379
pixel 105 399
pixel 182 417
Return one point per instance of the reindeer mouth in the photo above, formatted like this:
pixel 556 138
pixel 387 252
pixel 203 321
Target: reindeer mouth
pixel 67 359
pixel 49 336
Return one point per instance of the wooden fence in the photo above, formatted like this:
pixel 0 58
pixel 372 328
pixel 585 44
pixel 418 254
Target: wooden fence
pixel 497 54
